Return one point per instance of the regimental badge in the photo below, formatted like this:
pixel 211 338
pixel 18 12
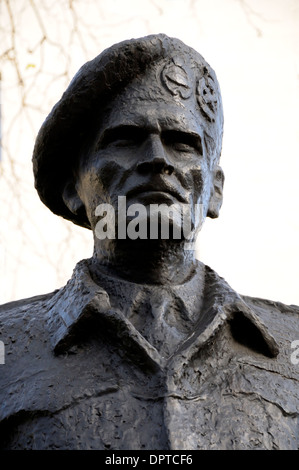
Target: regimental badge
pixel 206 96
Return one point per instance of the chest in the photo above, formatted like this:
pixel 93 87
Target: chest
pixel 98 397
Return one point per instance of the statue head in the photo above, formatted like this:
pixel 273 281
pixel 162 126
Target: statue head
pixel 143 119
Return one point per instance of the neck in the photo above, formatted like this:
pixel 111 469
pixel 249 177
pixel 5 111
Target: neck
pixel 145 261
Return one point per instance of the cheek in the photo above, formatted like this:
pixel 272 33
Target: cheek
pixel 201 181
pixel 91 194
pixel 98 184
pixel 109 174
pixel 101 175
pixel 197 180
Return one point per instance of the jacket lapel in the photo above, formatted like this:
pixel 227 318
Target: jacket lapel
pixel 82 300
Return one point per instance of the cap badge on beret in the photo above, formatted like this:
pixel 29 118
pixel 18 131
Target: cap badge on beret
pixel 206 97
pixel 175 78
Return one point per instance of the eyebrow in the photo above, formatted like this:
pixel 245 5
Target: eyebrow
pixel 121 131
pixel 170 135
pixel 167 127
pixel 187 137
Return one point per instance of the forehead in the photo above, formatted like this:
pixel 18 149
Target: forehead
pixel 153 115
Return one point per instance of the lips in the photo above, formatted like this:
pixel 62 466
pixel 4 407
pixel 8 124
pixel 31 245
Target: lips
pixel 160 186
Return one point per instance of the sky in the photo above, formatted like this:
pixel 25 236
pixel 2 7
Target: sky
pixel 253 47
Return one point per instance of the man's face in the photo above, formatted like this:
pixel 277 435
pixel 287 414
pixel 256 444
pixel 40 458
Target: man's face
pixel 150 151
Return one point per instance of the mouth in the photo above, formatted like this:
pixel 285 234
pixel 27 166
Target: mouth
pixel 159 191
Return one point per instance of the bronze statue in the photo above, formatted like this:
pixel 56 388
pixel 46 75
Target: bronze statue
pixel 145 347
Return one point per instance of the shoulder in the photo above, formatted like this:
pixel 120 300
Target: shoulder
pixel 25 339
pixel 271 307
pixel 24 304
pixel 282 320
pixel 21 316
pixel 19 308
pixel 35 317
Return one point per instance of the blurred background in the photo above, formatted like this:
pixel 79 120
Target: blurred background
pixel 253 45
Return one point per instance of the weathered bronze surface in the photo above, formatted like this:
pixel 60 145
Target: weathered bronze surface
pixel 145 347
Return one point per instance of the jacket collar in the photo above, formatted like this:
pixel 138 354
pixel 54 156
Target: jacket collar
pixel 82 300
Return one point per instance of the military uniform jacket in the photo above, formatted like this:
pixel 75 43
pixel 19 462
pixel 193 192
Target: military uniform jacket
pixel 79 375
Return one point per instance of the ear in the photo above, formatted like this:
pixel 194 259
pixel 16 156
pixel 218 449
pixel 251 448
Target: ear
pixel 217 193
pixel 75 205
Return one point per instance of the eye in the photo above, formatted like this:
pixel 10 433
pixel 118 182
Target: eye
pixel 183 142
pixel 121 137
pixel 182 147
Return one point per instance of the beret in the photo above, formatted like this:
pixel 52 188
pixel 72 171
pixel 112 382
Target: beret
pixel 67 127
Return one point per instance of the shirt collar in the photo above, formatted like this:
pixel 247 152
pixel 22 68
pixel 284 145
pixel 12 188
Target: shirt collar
pixel 82 299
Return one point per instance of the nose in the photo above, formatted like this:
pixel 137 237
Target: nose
pixel 155 158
